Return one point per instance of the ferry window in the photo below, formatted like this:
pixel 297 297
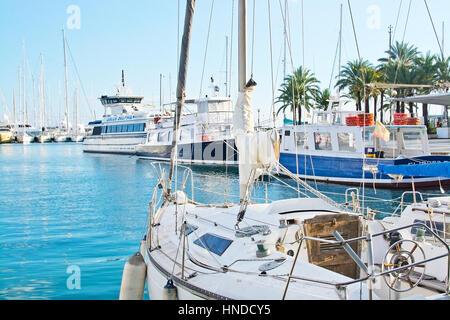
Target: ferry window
pixel 96 131
pixel 213 243
pixel 116 129
pixel 124 128
pixel 302 140
pixel 346 142
pixel 115 100
pixel 322 141
pixel 103 129
pixel 130 128
pixel 413 140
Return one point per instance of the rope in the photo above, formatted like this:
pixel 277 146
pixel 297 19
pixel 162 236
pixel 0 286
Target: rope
pixel 271 65
pixel 354 30
pixel 206 47
pixel 434 29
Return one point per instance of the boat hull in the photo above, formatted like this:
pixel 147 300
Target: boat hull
pixel 220 152
pixel 6 137
pixel 349 171
pixel 114 144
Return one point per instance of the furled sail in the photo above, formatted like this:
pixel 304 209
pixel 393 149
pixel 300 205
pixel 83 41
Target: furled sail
pixel 258 151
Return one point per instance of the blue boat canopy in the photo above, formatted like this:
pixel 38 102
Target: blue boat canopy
pixel 439 169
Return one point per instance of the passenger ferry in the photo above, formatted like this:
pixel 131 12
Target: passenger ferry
pixel 124 125
pixel 205 135
pixel 329 150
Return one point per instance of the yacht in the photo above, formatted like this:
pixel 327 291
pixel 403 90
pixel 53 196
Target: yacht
pixel 6 133
pixel 205 136
pixel 124 125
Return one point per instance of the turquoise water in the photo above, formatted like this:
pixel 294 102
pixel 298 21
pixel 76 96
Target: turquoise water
pixel 70 220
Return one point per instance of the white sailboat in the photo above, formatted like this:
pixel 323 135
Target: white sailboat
pixel 300 248
pixel 63 135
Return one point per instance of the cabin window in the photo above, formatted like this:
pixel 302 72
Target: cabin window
pixel 130 128
pixel 302 140
pixel 322 141
pixel 104 129
pixel 413 140
pixel 346 142
pixel 287 133
pixel 97 131
pixel 213 243
pixel 368 138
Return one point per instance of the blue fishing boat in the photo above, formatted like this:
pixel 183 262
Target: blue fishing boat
pixel 330 150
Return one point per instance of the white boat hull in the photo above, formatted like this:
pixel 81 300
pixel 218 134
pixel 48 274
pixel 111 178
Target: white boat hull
pixel 113 144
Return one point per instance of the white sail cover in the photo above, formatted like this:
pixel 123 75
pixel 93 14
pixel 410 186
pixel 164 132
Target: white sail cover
pixel 257 150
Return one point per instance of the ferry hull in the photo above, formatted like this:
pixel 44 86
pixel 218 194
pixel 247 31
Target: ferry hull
pixel 349 171
pixel 113 144
pixel 222 152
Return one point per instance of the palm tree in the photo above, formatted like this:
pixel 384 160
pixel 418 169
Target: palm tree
pixel 353 77
pixel 323 99
pixel 399 67
pixel 427 67
pixel 297 90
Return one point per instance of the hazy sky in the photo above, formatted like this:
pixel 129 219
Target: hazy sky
pixel 106 36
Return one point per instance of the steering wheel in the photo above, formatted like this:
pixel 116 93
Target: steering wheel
pixel 403 258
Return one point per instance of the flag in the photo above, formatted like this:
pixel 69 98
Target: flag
pixel 381 132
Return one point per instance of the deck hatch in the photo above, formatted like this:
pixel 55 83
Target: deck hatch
pixel 213 243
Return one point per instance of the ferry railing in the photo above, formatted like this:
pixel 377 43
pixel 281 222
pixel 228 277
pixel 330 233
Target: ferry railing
pixel 369 269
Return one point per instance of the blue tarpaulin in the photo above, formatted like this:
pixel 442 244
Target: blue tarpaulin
pixel 440 169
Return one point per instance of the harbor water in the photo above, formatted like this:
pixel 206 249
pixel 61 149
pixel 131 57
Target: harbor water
pixel 70 220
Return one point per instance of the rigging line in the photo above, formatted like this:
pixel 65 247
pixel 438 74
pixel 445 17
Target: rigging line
pixel 403 38
pixel 79 78
pixel 407 19
pixel 271 66
pixel 334 64
pixel 396 22
pixel 354 30
pixel 206 48
pixel 434 29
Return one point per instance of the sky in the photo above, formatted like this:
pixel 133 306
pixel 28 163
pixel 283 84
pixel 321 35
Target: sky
pixel 141 37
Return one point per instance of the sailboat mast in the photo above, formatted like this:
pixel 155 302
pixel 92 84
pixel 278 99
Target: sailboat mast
pixel 25 105
pixel 75 111
pixel 65 81
pixel 14 110
pixel 20 97
pixel 242 45
pixel 181 86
